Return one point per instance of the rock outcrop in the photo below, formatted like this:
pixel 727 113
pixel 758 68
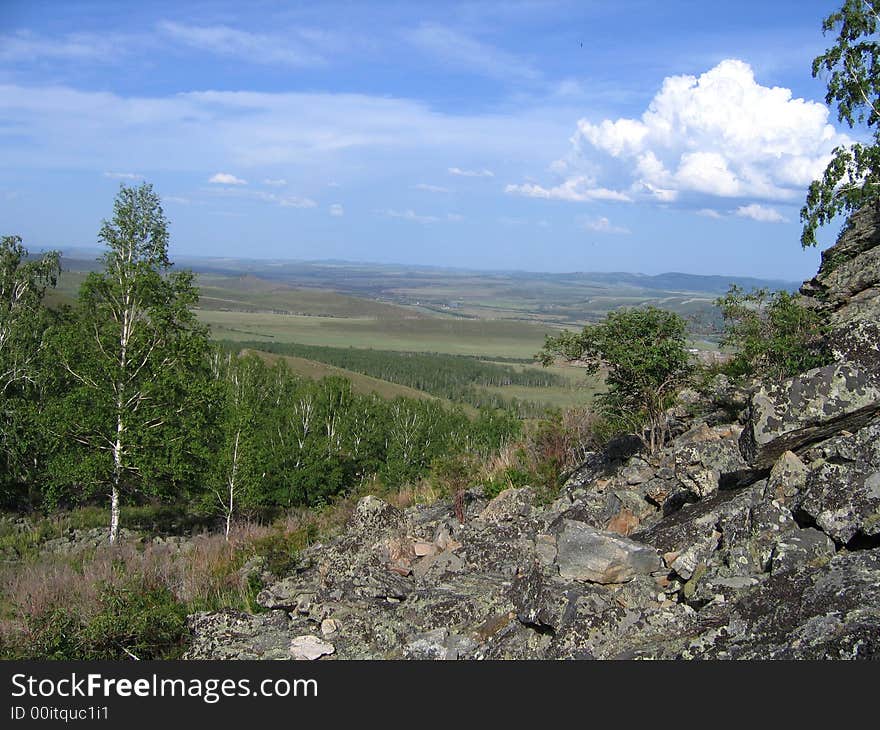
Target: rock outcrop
pixel 785 564
pixel 754 534
pixel 847 289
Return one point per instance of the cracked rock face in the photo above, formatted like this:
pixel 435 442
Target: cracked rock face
pixel 793 414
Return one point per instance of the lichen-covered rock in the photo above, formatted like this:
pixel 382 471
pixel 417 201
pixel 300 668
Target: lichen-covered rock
pixel 585 554
pixel 787 478
pixel 843 500
pixel 509 504
pixel 801 547
pixel 827 612
pixel 791 415
pixel 231 634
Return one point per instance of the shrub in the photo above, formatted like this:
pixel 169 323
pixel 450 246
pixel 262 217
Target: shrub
pixel 772 333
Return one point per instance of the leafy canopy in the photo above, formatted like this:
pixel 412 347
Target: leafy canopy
pixel 647 360
pixel 852 70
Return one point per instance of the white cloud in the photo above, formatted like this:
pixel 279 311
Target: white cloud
pixel 285 201
pixel 579 189
pixel 603 225
pixel 457 49
pixel 279 183
pixel 709 213
pixel 760 213
pixel 408 215
pixel 336 210
pixel 350 139
pixel 176 199
pixel 123 175
pixel 432 188
pixel 292 50
pixel 26 46
pixel 721 134
pixel 470 173
pixel 224 178
pixel 454 217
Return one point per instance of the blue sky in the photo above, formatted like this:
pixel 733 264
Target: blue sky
pixel 551 136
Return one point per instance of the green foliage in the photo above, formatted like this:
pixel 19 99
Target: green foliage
pixel 772 333
pixel 23 365
pixel 645 354
pixel 130 620
pixel 852 69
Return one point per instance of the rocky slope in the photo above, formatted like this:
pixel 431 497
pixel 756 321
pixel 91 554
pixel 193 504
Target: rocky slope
pixel 757 538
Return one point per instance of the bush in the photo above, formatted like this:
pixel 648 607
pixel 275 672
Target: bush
pixel 772 333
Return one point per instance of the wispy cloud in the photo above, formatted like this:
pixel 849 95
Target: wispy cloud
pixel 709 213
pixel 123 175
pixel 336 210
pixel 295 49
pixel 454 48
pixel 470 173
pixel 285 201
pixel 407 215
pixel 432 188
pixel 26 46
pixel 577 190
pixel 603 225
pixel 225 178
pixel 279 183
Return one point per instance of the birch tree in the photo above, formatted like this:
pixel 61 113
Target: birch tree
pixel 241 461
pixel 133 353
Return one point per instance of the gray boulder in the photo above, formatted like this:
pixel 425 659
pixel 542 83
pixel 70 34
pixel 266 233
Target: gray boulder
pixel 791 415
pixel 585 554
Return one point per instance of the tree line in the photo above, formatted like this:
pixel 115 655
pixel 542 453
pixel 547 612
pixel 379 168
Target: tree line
pixel 455 377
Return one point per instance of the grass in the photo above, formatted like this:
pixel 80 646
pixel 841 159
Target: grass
pixel 484 338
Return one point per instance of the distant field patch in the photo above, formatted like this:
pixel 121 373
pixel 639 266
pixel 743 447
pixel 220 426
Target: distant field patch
pixel 483 338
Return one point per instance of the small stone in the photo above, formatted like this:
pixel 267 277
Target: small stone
pixel 310 647
pixel 425 548
pixel 329 626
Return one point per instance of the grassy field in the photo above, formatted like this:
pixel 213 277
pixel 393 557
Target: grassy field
pixel 483 338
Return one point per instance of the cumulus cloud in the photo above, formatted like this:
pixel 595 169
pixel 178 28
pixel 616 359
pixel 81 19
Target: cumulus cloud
pixel 577 189
pixel 336 210
pixel 760 213
pixel 224 178
pixel 603 225
pixel 470 173
pixel 721 134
